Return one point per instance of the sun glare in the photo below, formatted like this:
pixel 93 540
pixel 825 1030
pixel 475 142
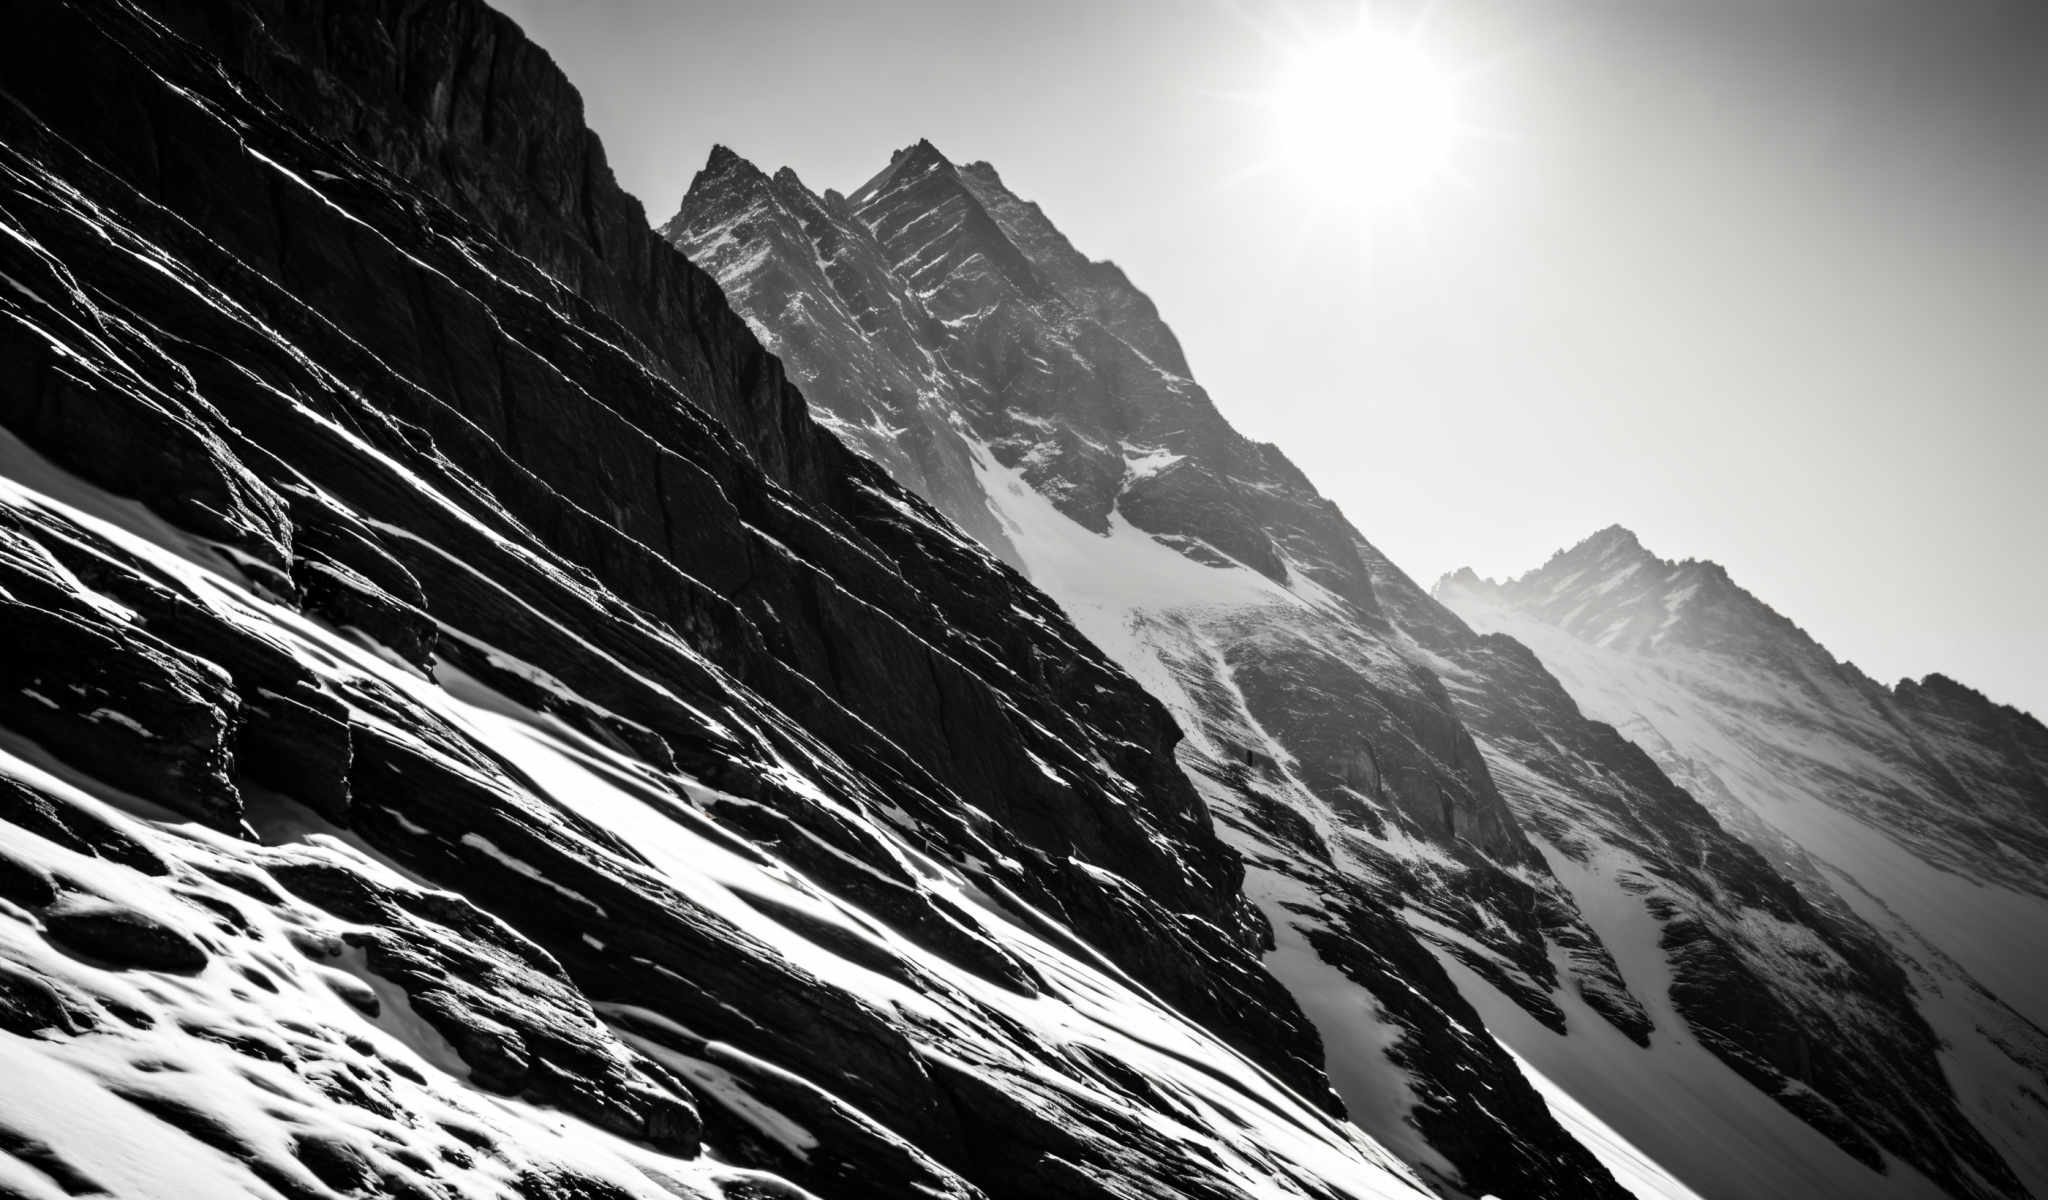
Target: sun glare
pixel 1366 113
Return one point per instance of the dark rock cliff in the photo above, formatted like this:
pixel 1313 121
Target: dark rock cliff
pixel 393 514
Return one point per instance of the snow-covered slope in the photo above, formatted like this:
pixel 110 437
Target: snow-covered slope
pixel 317 1015
pixel 1921 809
pixel 1434 828
pixel 465 731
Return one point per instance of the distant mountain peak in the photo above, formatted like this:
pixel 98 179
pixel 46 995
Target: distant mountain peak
pixel 922 155
pixel 919 158
pixel 1616 536
pixel 1616 544
pixel 1463 578
pixel 1619 545
pixel 1611 590
pixel 725 163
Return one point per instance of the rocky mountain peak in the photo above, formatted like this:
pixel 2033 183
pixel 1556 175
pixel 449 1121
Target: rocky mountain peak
pixel 726 171
pixel 919 158
pixel 1614 548
pixel 725 158
pixel 1463 577
pixel 1691 615
pixel 922 150
pixel 1611 589
pixel 1614 539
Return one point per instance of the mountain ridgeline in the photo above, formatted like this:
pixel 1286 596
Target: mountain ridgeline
pixel 1450 851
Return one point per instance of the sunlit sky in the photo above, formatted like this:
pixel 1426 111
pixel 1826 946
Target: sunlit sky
pixel 1764 280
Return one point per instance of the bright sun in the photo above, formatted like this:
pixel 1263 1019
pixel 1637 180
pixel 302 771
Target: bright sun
pixel 1365 112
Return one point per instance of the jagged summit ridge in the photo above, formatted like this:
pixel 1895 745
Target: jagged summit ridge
pixel 1585 587
pixel 1611 589
pixel 1097 286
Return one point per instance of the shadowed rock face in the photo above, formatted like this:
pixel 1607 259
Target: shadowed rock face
pixel 1396 780
pixel 452 673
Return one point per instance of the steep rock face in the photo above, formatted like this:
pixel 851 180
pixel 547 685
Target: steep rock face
pixel 1915 808
pixel 468 732
pixel 811 248
pixel 1395 779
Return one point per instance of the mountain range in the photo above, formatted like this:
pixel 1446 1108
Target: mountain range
pixel 815 700
pixel 1916 808
pixel 1405 786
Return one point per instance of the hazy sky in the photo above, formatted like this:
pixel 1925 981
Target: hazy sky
pixel 1764 280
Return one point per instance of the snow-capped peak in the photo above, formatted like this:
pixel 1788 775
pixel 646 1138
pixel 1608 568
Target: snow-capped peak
pixel 1917 807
